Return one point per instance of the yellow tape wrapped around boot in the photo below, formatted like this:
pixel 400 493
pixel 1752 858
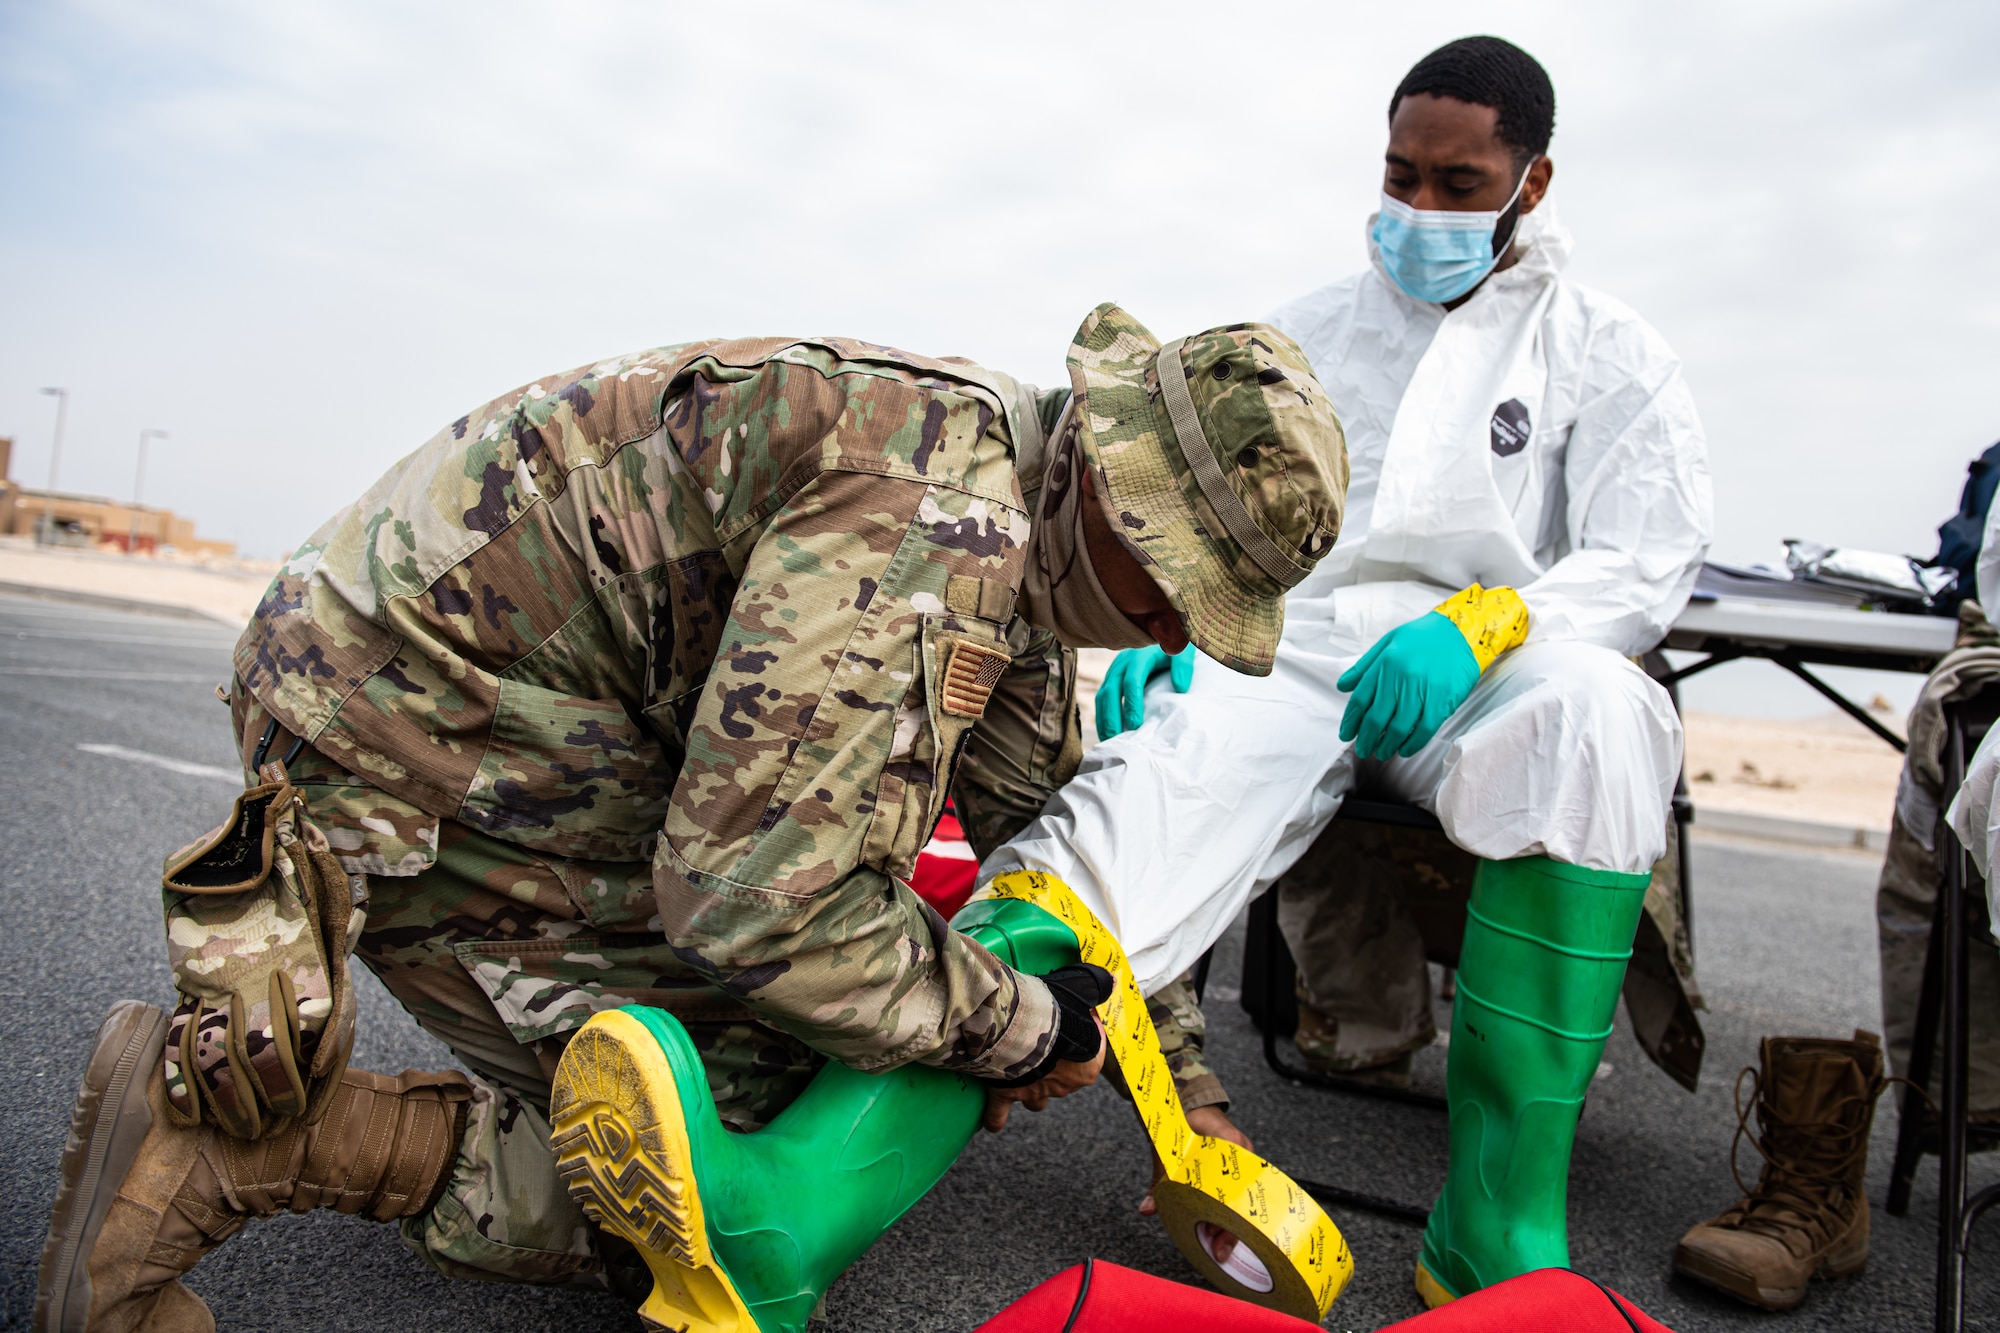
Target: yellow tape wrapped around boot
pixel 260 920
pixel 1491 619
pixel 1208 1181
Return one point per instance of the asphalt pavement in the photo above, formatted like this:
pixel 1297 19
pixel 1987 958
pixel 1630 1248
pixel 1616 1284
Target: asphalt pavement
pixel 114 750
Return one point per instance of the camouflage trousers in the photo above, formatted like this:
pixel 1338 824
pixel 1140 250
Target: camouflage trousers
pixel 1906 895
pixel 1904 901
pixel 1177 1017
pixel 488 951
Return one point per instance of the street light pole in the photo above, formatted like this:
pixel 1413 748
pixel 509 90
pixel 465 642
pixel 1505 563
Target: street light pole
pixel 48 533
pixel 138 486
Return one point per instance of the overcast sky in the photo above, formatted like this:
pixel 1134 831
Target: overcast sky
pixel 302 237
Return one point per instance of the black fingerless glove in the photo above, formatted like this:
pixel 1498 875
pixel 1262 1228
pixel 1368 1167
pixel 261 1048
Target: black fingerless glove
pixel 1078 989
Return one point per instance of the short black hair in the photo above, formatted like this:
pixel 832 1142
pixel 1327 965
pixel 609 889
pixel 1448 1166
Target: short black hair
pixel 1487 71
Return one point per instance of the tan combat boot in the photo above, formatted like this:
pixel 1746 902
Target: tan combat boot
pixel 1808 1216
pixel 143 1198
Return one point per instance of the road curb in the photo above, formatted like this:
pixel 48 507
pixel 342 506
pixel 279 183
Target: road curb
pixel 109 603
pixel 1777 828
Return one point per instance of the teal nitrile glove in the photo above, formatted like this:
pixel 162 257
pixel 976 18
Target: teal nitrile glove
pixel 1403 688
pixel 1121 699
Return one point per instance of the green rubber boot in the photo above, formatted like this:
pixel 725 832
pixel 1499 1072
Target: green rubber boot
pixel 744 1232
pixel 1538 978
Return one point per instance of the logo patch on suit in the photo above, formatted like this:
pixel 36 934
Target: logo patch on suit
pixel 1510 428
pixel 971 670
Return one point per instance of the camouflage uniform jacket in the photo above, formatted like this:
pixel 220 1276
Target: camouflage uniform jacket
pixel 739 608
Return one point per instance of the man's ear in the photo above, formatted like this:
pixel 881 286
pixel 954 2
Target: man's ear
pixel 1167 631
pixel 1540 172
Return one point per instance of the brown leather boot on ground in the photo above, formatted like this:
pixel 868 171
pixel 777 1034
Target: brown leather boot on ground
pixel 1808 1216
pixel 143 1198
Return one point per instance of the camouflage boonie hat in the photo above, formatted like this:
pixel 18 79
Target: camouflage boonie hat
pixel 1226 478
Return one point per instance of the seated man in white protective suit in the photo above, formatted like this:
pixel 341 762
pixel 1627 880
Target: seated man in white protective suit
pixel 1529 506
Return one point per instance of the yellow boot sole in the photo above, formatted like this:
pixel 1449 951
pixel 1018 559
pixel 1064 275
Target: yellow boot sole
pixel 620 1137
pixel 1431 1289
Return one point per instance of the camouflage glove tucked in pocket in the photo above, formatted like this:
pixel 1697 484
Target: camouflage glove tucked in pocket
pixel 260 921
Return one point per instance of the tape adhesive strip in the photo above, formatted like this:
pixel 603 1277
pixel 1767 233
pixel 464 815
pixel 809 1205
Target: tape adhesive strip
pixel 1304 1260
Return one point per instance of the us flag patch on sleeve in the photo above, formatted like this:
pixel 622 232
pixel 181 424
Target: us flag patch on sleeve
pixel 970 672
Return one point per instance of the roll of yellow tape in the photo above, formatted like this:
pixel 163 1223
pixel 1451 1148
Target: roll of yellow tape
pixel 1301 1263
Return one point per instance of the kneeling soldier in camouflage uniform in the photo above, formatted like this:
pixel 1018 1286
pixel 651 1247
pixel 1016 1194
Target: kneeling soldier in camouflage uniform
pixel 644 685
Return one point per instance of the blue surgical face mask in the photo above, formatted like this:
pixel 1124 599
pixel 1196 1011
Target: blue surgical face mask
pixel 1439 255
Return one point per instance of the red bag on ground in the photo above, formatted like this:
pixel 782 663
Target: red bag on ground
pixel 1096 1297
pixel 945 867
pixel 1551 1299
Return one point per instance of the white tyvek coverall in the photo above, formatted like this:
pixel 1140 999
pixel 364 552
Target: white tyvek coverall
pixel 1973 817
pixel 1564 748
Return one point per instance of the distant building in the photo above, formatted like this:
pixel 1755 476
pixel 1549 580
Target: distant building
pixel 95 523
